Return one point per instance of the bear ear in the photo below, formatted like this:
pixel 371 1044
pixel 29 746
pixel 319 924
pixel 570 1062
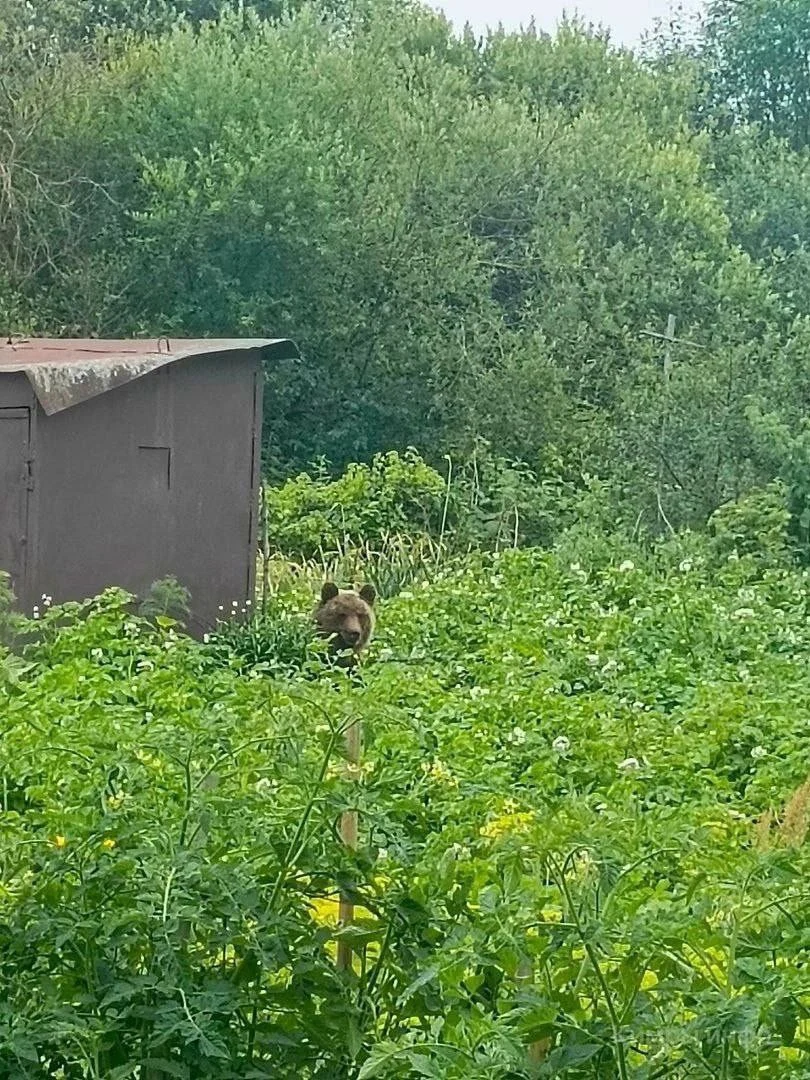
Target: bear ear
pixel 369 594
pixel 329 591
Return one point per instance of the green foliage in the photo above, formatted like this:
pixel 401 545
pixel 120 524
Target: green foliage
pixel 316 514
pixel 166 597
pixel 756 57
pixel 467 240
pixel 8 621
pixel 755 526
pixel 63 25
pixel 264 639
pixel 564 771
pixel 788 452
pixel 470 240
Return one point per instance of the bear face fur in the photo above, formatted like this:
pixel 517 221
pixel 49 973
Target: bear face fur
pixel 346 617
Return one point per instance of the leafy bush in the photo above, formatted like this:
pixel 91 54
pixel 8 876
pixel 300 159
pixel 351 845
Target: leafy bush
pixel 755 526
pixel 316 515
pixel 268 639
pixel 786 450
pixel 166 597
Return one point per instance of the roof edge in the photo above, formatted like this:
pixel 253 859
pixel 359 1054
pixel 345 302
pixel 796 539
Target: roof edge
pixel 95 371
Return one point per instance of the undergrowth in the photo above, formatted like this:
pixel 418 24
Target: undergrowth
pixel 583 812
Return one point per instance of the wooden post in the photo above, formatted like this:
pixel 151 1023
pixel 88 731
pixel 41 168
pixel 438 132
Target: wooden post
pixel 537 1050
pixel 669 337
pixel 348 834
pixel 265 550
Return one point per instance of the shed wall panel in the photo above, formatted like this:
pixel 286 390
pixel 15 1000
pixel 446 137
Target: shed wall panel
pixel 150 479
pixel 214 480
pixel 15 391
pixel 15 438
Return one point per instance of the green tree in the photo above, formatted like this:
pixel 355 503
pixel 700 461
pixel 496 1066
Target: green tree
pixel 755 53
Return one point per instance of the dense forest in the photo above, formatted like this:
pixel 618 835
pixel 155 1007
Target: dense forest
pixel 477 243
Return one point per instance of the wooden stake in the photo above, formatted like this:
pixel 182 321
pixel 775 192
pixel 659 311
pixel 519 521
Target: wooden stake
pixel 537 1050
pixel 348 834
pixel 265 550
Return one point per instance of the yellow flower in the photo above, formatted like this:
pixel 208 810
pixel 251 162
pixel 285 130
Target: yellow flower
pixel 59 841
pixel 506 824
pixel 108 843
pixel 325 910
pixel 437 770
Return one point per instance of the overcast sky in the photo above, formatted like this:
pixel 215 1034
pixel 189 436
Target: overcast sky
pixel 626 19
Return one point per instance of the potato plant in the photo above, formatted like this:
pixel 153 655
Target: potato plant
pixel 583 808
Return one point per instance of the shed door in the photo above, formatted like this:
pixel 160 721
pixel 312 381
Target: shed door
pixel 15 427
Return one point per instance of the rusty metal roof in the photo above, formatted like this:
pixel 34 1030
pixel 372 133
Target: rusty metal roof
pixel 66 371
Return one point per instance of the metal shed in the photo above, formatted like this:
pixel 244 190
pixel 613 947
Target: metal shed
pixel 122 462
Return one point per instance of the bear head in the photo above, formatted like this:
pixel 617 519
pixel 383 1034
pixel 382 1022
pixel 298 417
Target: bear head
pixel 346 617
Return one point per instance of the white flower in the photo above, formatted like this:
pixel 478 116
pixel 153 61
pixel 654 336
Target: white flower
pixel 758 753
pixel 517 736
pixel 561 745
pixel 685 566
pixel 593 659
pixel 234 603
pixel 264 786
pixel 148 716
pixel 629 764
pixel 626 566
pixel 206 639
pixel 382 854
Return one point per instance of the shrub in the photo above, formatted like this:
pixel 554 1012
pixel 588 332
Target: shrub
pixel 315 514
pixel 270 639
pixel 755 527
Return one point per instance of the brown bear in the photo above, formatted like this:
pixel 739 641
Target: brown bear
pixel 346 617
